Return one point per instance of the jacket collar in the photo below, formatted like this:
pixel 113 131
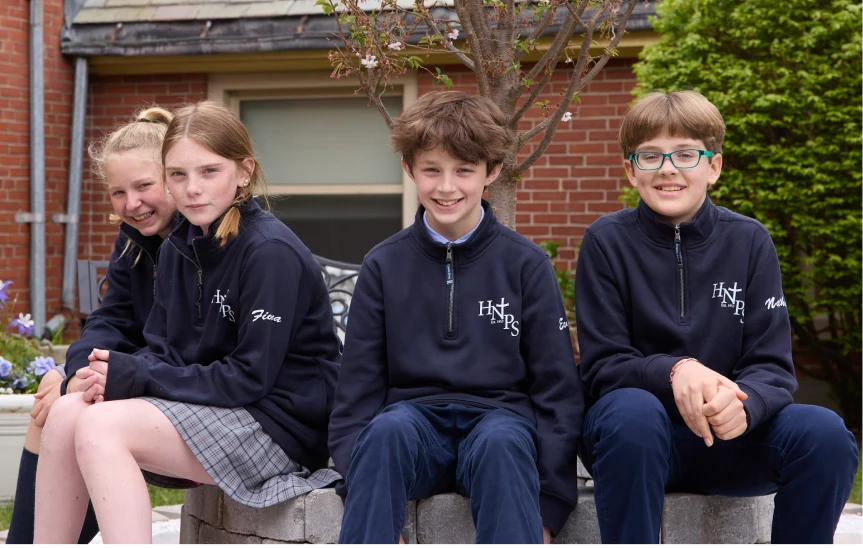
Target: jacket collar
pixel 150 244
pixel 692 232
pixel 186 235
pixel 487 230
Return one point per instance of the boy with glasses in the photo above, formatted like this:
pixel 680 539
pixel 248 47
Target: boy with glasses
pixel 686 347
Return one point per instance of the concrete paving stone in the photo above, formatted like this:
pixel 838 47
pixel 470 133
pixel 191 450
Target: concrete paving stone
pixel 763 519
pixel 285 521
pixel 189 526
pixel 699 519
pixel 445 519
pixel 172 512
pixel 323 511
pixel 211 535
pixel 157 517
pixel 582 527
pixel 205 503
pixel 581 471
pixel 166 532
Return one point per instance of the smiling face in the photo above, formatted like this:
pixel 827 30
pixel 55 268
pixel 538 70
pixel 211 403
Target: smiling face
pixel 134 180
pixel 674 194
pixel 203 183
pixel 450 190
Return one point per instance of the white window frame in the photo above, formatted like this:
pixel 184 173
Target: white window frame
pixel 231 89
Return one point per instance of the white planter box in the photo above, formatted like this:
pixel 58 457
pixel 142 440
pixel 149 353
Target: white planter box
pixel 14 418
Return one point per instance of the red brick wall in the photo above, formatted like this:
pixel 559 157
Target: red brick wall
pixel 111 102
pixel 15 147
pixel 580 176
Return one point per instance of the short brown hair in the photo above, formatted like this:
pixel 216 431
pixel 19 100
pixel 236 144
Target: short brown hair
pixel 680 113
pixel 216 127
pixel 468 127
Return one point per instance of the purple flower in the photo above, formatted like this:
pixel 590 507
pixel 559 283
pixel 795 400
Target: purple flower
pixel 20 383
pixel 41 365
pixel 5 367
pixel 24 323
pixel 3 286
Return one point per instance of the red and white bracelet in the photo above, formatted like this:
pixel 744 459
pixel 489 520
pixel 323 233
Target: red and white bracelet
pixel 676 366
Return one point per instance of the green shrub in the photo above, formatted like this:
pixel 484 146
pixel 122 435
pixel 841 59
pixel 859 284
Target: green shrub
pixel 786 77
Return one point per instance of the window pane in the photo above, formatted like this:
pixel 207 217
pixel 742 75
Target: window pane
pixel 323 141
pixel 340 227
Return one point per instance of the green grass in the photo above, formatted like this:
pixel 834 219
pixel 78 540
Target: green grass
pixel 856 496
pixel 158 497
pixel 165 497
pixel 5 515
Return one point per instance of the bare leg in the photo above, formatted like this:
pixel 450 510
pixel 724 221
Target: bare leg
pixel 33 439
pixel 61 495
pixel 114 441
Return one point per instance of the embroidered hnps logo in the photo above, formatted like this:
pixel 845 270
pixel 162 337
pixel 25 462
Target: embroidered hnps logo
pixel 773 302
pixel 729 298
pixel 261 314
pixel 224 309
pixel 499 316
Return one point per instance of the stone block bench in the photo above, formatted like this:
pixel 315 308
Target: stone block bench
pixel 211 517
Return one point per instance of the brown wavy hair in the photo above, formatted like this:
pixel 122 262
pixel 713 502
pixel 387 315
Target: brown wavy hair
pixel 468 127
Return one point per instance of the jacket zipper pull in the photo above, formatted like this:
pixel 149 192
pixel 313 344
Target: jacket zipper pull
pixel 449 274
pixel 678 252
pixel 200 290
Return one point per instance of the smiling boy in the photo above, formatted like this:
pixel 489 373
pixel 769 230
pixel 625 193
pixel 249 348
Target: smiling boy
pixel 456 373
pixel 686 357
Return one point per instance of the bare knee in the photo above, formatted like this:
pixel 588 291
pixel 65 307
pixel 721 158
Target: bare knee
pixel 96 429
pixel 50 379
pixel 59 431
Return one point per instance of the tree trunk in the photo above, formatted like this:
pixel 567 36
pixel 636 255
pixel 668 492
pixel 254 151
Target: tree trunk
pixel 502 195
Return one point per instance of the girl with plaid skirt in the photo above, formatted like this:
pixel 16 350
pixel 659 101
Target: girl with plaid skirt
pixel 237 383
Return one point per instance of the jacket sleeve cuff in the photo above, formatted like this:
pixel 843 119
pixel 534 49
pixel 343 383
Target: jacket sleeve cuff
pixel 754 406
pixel 122 382
pixel 554 512
pixel 657 375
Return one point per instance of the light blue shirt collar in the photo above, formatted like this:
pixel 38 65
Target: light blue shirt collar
pixel 441 240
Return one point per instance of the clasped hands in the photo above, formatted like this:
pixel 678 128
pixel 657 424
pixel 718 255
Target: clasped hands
pixel 91 379
pixel 707 400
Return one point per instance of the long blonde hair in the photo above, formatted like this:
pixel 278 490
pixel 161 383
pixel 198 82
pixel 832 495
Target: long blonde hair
pixel 146 130
pixel 216 127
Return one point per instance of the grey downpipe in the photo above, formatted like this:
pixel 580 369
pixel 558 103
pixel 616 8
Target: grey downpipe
pixel 76 160
pixel 37 169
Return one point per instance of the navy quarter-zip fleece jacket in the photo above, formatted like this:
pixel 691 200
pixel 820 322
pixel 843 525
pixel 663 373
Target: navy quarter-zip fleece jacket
pixel 244 325
pixel 118 323
pixel 496 337
pixel 649 293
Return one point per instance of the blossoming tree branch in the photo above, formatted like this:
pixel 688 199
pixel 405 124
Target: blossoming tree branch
pixel 383 39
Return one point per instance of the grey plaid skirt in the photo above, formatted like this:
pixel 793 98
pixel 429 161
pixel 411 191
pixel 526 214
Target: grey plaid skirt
pixel 239 456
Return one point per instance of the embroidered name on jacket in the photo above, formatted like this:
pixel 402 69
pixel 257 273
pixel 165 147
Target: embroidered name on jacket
pixel 498 315
pixel 773 302
pixel 729 298
pixel 224 309
pixel 261 314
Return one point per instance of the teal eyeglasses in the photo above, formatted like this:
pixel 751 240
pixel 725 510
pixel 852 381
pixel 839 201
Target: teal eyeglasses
pixel 681 159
